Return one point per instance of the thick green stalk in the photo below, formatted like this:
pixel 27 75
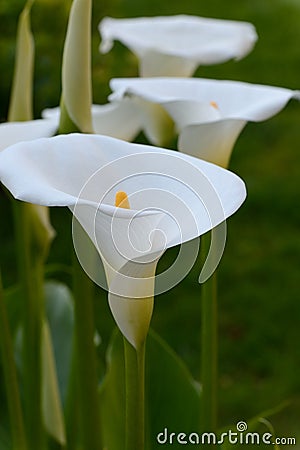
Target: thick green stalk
pixel 72 407
pixel 11 380
pixel 135 396
pixel 31 276
pixel 209 350
pixel 86 361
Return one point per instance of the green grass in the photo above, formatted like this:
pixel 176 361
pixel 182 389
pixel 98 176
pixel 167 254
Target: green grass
pixel 259 358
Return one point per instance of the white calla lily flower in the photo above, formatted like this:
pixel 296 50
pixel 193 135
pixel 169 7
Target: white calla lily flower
pixel 177 45
pixel 14 132
pixel 117 119
pixel 208 114
pixel 172 198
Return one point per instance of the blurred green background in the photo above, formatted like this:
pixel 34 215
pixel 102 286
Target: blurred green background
pixel 259 317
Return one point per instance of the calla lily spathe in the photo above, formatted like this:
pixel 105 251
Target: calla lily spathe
pixel 173 197
pixel 117 119
pixel 120 120
pixel 76 96
pixel 208 114
pixel 20 107
pixel 14 132
pixel 76 111
pixel 177 45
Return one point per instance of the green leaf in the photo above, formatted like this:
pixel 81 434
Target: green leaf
pixel 56 355
pixel 13 300
pixel 5 439
pixel 56 348
pixel 51 402
pixel 257 424
pixel 172 397
pixel 10 379
pixel 60 315
pixel 270 428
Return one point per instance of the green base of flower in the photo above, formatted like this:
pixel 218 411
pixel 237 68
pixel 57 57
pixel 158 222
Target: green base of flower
pixel 66 125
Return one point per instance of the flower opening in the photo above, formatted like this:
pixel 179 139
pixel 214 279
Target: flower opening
pixel 214 104
pixel 121 200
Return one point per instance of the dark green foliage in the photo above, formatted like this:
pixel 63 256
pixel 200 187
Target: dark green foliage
pixel 259 275
pixel 172 397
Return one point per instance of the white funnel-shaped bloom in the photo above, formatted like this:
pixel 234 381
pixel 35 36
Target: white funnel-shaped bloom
pixel 173 198
pixel 117 119
pixel 14 132
pixel 208 115
pixel 177 45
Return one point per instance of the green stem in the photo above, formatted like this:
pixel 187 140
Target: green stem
pixel 11 380
pixel 135 396
pixel 71 408
pixel 209 350
pixel 31 279
pixel 86 362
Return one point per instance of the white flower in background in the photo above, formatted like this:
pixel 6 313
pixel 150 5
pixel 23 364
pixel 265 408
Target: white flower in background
pixel 76 112
pixel 133 201
pixel 14 132
pixel 208 114
pixel 106 119
pixel 117 119
pixel 177 45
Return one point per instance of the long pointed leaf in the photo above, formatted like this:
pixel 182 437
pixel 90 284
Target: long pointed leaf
pixel 52 408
